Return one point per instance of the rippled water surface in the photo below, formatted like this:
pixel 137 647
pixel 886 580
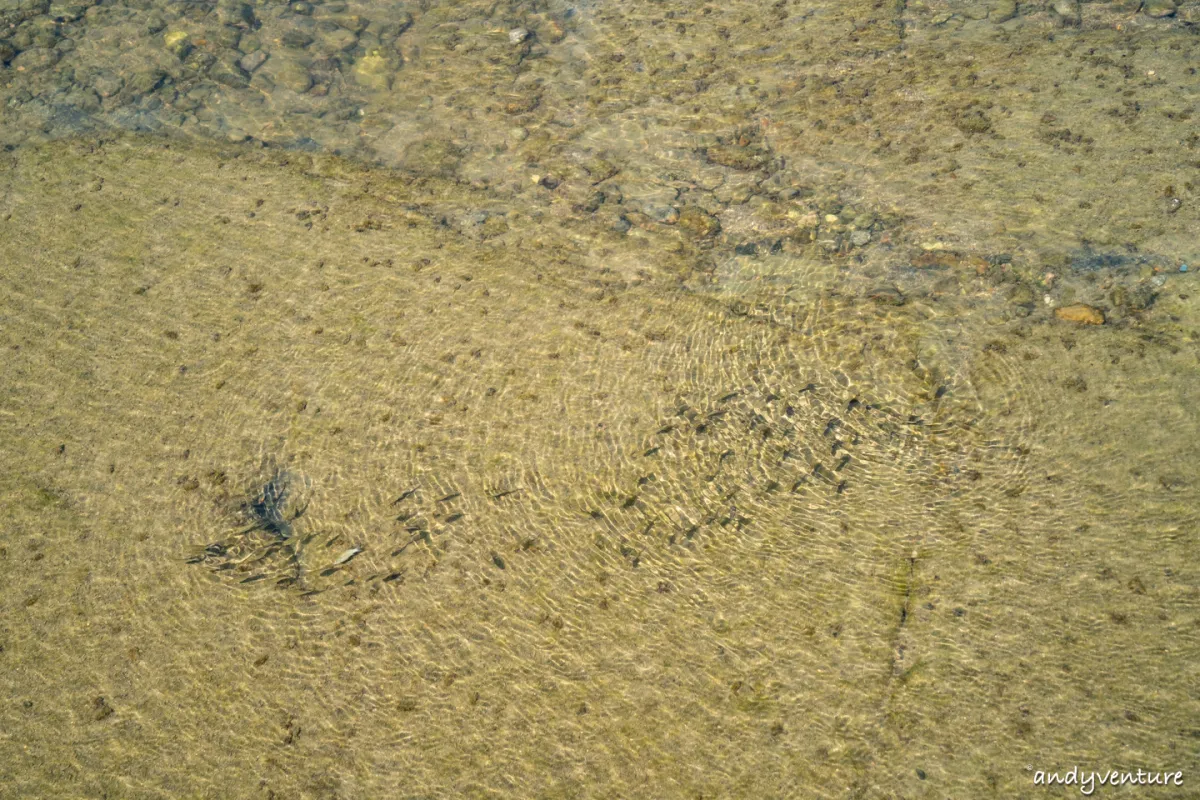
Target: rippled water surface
pixel 645 399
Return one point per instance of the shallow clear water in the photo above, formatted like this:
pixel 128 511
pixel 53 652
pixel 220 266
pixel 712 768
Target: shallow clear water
pixel 611 400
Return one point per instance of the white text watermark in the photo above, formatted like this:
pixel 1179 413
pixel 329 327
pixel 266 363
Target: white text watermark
pixel 1088 782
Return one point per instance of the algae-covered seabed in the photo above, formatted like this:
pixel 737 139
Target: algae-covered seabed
pixel 640 515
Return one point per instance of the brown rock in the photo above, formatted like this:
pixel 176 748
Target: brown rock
pixel 887 295
pixel 743 158
pixel 697 222
pixel 1083 314
pixel 100 709
pixel 937 259
pixel 518 104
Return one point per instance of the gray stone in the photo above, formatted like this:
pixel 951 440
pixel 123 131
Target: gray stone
pixel 36 59
pixel 648 197
pixel 84 99
pixel 12 13
pixel 661 213
pixel 252 61
pixel 1068 11
pixel 1003 11
pixel 237 14
pixel 146 81
pixel 294 76
pixel 45 39
pixel 338 41
pixel 887 295
pixel 108 83
pixel 296 39
pixel 1159 8
pixel 227 71
pixel 433 156
pixel 68 12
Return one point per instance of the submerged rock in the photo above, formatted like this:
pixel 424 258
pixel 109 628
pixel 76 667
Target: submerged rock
pixel 1159 8
pixel 1080 313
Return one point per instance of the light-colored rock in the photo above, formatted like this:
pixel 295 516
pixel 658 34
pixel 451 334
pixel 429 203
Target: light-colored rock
pixel 1159 8
pixel 1080 313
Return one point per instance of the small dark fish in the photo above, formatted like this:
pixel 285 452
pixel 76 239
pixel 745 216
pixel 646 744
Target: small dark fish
pixel 629 501
pixel 505 494
pixel 450 497
pixel 701 428
pixel 818 471
pixel 455 517
pixel 404 496
pixel 650 452
pixel 786 455
pixel 666 429
pixel 913 419
pixel 771 397
pixel 841 487
pixel 333 541
pixel 837 443
pixel 728 397
pixel 498 561
pixel 940 393
pixel 394 577
pixel 772 486
pixel 690 532
pixel 406 517
pixel 853 404
pixel 717 414
pixel 196 560
pixel 649 527
pixel 833 424
pixel 312 592
pixel 253 578
pixel 809 388
pixel 224 567
pixel 215 549
pixel 325 573
pixel 789 411
pixel 841 464
pixel 798 484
